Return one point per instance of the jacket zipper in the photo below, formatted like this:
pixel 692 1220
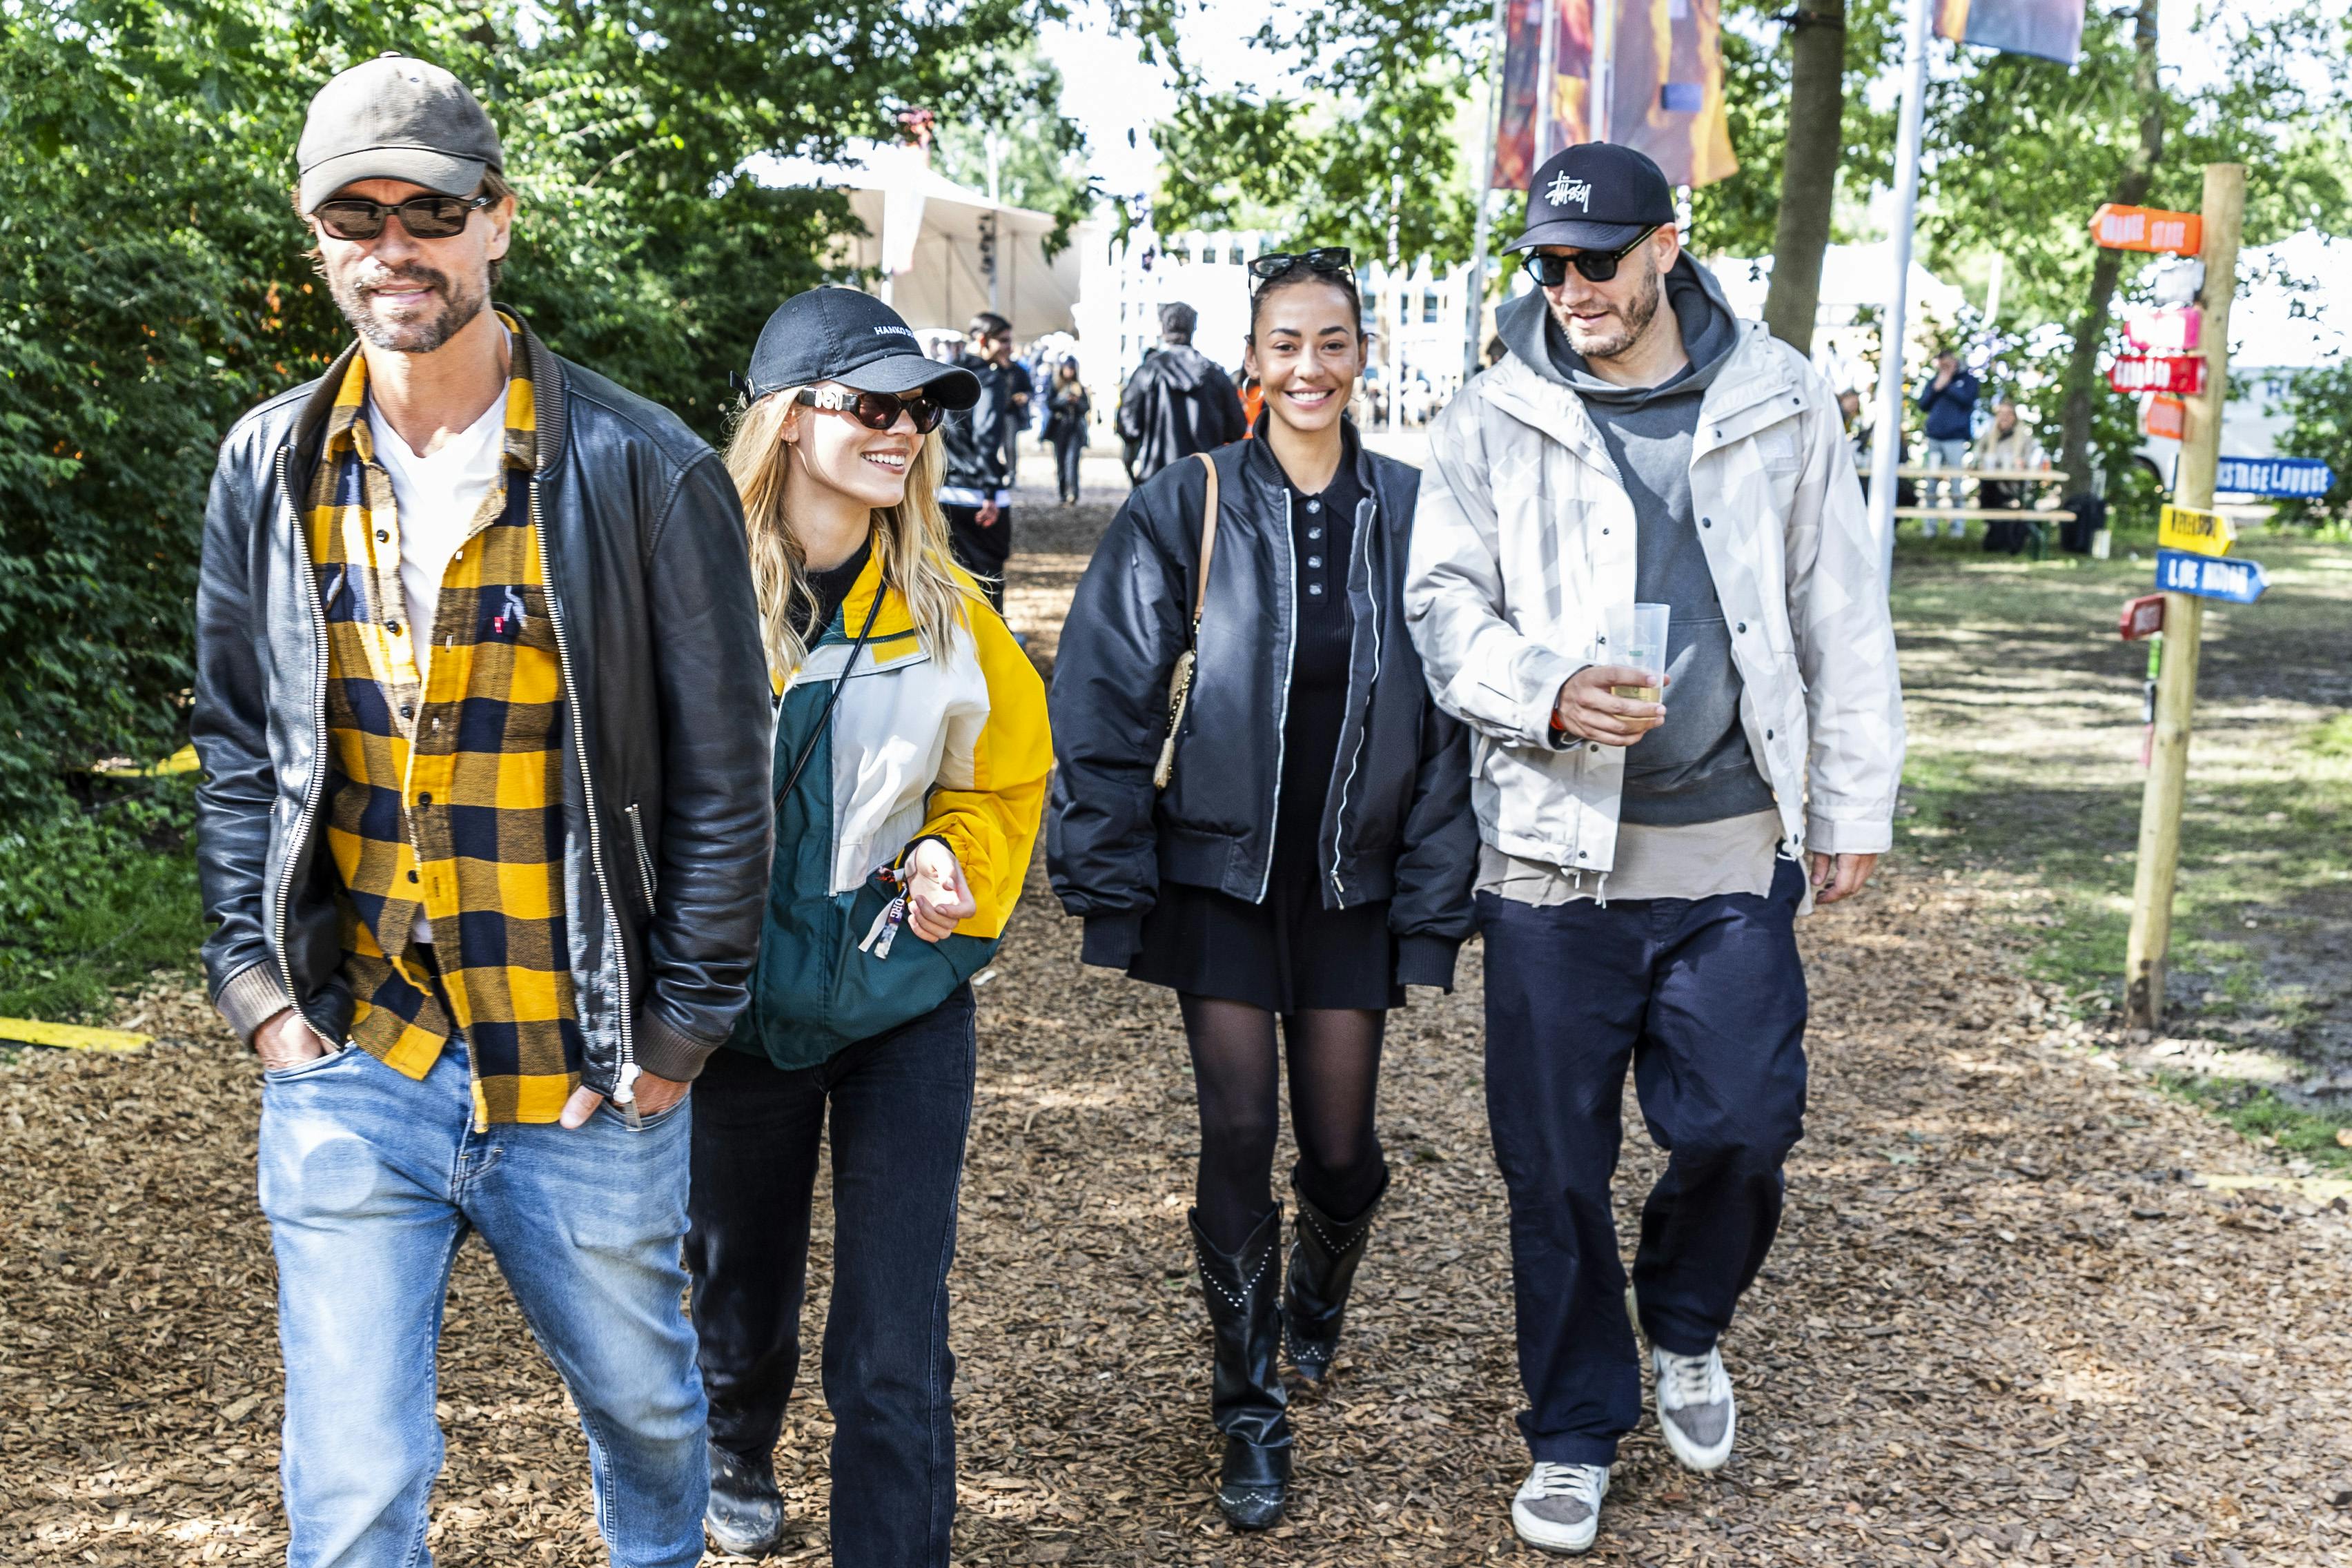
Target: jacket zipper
pixel 645 859
pixel 624 1083
pixel 318 742
pixel 1356 757
pixel 1281 719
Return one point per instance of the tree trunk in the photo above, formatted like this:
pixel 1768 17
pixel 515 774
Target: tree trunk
pixel 1809 169
pixel 2131 189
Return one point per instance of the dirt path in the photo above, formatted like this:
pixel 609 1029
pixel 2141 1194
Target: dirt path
pixel 2000 1326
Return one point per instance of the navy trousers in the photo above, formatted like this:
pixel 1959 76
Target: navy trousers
pixel 900 1105
pixel 1706 998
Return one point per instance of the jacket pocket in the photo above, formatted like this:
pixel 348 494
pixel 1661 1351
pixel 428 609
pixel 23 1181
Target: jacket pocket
pixel 645 857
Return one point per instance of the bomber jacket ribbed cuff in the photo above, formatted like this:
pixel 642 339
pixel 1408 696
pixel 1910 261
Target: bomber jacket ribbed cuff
pixel 1112 941
pixel 251 998
pixel 667 1051
pixel 1426 960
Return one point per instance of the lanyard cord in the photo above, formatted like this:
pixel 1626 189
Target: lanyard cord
pixel 825 716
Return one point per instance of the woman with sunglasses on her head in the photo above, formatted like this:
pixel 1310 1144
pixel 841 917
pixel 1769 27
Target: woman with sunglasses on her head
pixel 911 759
pixel 1296 850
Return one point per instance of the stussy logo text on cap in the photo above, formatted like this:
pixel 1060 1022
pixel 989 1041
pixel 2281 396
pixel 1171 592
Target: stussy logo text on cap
pixel 1566 188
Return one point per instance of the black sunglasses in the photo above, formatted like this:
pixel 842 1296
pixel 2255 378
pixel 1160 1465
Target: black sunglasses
pixel 1597 266
pixel 424 217
pixel 1336 259
pixel 876 410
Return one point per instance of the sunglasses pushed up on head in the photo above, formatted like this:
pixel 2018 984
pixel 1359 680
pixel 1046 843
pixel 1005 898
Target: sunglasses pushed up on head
pixel 424 217
pixel 1594 266
pixel 1336 260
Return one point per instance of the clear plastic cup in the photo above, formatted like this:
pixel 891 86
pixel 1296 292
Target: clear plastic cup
pixel 1637 640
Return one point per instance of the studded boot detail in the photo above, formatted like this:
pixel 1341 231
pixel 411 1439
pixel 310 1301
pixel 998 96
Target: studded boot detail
pixel 1245 1397
pixel 1323 1258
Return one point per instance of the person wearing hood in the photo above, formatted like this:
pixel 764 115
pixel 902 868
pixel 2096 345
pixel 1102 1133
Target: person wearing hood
pixel 1641 862
pixel 1178 402
pixel 1292 845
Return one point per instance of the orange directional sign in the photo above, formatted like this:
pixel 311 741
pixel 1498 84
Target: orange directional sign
pixel 2147 228
pixel 2165 416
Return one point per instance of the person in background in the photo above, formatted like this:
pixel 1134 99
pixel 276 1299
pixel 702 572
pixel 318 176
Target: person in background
pixel 977 495
pixel 1642 864
pixel 464 612
pixel 2006 444
pixel 1178 402
pixel 1311 852
pixel 1949 401
pixel 1021 391
pixel 905 806
pixel 1067 410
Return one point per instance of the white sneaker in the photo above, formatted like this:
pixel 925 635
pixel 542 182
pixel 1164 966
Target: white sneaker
pixel 1695 1406
pixel 1558 1506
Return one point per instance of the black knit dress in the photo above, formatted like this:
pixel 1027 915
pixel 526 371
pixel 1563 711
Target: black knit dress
pixel 1288 951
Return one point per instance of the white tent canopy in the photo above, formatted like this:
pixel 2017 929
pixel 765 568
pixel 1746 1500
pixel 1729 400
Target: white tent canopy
pixel 925 236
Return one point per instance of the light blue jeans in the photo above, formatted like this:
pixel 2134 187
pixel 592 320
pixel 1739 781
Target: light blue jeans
pixel 371 1182
pixel 1947 452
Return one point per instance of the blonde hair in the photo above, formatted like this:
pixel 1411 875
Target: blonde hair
pixel 911 541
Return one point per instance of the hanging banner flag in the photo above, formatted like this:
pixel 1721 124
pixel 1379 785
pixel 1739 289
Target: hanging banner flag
pixel 2052 29
pixel 2117 227
pixel 2166 416
pixel 1571 81
pixel 2166 373
pixel 1668 87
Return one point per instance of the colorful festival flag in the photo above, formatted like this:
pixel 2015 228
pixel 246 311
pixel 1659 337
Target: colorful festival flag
pixel 2052 29
pixel 1668 96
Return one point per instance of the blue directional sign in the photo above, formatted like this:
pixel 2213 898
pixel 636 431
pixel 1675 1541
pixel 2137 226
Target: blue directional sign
pixel 2304 478
pixel 2230 577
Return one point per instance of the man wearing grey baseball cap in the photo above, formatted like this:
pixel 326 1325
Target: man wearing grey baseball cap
pixel 1643 575
pixel 485 879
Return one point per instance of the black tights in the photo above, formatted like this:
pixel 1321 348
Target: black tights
pixel 1335 1069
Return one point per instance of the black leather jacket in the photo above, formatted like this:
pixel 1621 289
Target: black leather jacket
pixel 1397 823
pixel 667 820
pixel 974 441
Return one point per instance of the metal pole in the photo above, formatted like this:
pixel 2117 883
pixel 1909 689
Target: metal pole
pixel 1600 100
pixel 1498 66
pixel 1886 444
pixel 2158 863
pixel 1546 81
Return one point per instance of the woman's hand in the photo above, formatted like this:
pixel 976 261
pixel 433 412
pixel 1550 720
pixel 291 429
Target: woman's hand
pixel 937 898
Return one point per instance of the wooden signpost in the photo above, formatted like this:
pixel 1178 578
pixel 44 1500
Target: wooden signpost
pixel 2158 864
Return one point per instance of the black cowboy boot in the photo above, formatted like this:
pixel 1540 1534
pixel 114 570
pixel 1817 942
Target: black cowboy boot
pixel 1322 1267
pixel 1245 1397
pixel 745 1515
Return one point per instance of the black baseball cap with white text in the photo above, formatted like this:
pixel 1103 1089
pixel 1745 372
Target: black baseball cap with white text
pixel 1595 196
pixel 851 336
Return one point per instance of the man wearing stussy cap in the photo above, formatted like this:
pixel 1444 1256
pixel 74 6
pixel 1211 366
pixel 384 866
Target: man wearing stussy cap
pixel 485 876
pixel 1642 862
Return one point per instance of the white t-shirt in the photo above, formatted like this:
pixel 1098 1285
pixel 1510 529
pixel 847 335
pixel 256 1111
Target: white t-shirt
pixel 437 497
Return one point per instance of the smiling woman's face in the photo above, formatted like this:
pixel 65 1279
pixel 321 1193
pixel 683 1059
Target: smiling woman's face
pixel 1307 349
pixel 838 452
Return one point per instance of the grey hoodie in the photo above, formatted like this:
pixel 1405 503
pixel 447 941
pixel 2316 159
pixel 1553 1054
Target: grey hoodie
pixel 1695 768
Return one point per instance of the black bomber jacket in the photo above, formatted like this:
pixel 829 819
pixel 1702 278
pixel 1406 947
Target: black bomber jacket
pixel 667 818
pixel 1397 823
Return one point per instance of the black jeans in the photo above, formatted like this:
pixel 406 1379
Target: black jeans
pixel 1706 997
pixel 1068 446
pixel 901 1104
pixel 982 551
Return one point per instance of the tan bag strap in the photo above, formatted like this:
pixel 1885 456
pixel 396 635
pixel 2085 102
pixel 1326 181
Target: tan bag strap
pixel 1208 544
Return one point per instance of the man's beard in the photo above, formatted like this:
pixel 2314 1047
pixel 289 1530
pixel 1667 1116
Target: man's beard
pixel 419 335
pixel 1636 318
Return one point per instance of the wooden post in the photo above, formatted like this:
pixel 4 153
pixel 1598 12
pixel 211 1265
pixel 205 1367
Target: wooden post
pixel 2184 619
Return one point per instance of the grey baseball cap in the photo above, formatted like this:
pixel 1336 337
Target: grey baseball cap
pixel 395 118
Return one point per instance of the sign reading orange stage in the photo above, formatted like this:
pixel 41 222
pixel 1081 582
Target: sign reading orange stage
pixel 2147 228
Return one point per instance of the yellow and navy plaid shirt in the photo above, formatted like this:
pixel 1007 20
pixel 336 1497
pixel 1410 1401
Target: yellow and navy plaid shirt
pixel 447 792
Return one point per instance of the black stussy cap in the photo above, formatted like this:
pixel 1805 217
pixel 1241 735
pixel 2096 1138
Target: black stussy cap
pixel 1595 196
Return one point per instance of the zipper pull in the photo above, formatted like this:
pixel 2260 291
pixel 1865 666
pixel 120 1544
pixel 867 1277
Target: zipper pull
pixel 625 1094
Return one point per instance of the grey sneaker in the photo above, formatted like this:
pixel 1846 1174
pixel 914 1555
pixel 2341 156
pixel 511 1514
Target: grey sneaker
pixel 1695 1406
pixel 1558 1506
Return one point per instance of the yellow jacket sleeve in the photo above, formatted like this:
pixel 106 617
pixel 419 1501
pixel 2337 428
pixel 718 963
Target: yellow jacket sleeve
pixel 992 825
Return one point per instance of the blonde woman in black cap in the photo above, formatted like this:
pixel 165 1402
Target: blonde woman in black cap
pixel 909 776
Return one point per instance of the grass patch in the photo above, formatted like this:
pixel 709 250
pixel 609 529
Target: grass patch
pixel 95 899
pixel 2258 1111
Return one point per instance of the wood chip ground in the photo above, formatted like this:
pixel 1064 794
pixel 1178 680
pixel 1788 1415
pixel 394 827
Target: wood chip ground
pixel 2002 1325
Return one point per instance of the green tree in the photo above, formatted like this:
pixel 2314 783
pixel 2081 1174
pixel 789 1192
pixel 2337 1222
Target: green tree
pixel 2318 407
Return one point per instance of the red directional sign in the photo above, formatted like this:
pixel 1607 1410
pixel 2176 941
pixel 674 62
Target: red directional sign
pixel 2157 373
pixel 2147 228
pixel 2142 617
